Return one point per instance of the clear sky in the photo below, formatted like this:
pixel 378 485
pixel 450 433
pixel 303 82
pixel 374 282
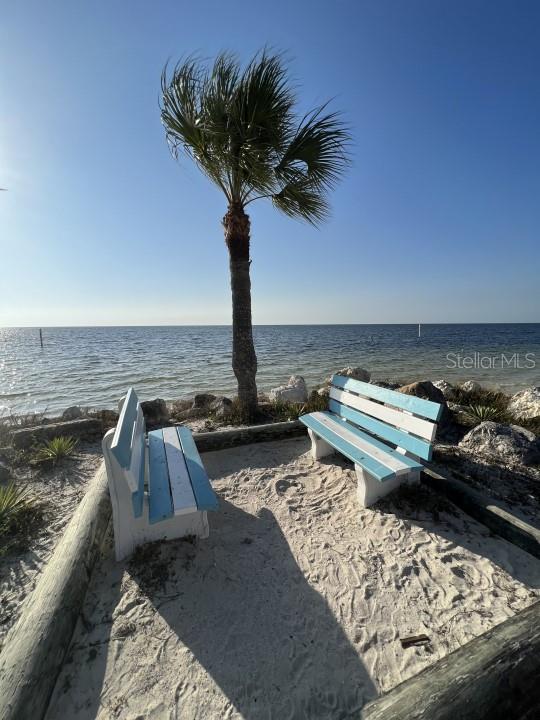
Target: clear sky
pixel 438 220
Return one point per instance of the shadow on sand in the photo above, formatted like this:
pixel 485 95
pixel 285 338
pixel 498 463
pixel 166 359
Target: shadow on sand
pixel 267 638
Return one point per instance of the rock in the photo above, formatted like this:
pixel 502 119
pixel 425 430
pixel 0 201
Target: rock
pixel 5 473
pixel 424 389
pixel 155 411
pixel 179 406
pixel 294 392
pixel 324 391
pixel 525 404
pixel 447 390
pixel 470 386
pixel 356 373
pixel 221 406
pixel 202 401
pixel 72 413
pixel 508 443
pixel 387 384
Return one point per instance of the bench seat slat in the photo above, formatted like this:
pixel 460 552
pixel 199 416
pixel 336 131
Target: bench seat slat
pixel 182 493
pixel 418 406
pixel 400 464
pixel 417 446
pixel 204 495
pixel 398 418
pixel 375 468
pixel 159 501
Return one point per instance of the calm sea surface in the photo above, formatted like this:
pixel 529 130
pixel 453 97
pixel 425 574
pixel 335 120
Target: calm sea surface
pixel 94 366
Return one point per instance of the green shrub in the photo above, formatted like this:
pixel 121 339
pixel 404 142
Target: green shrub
pixel 55 450
pixel 480 413
pixel 13 500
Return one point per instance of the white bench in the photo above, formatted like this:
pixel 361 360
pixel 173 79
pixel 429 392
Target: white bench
pixel 159 488
pixel 385 433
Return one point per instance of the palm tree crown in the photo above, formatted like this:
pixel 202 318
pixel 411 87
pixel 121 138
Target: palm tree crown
pixel 241 129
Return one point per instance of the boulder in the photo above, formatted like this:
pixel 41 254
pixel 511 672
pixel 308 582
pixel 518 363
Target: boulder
pixel 507 443
pixel 180 406
pixel 295 391
pixel 221 406
pixel 525 404
pixel 424 389
pixel 202 401
pixel 470 386
pixel 5 473
pixel 155 411
pixel 356 373
pixel 447 390
pixel 324 391
pixel 72 413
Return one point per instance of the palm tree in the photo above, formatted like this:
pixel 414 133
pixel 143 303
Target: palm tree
pixel 240 128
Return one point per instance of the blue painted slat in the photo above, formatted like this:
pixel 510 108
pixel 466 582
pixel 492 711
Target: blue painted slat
pixel 123 435
pixel 138 497
pixel 421 448
pixel 412 464
pixel 159 490
pixel 204 495
pixel 379 471
pixel 418 406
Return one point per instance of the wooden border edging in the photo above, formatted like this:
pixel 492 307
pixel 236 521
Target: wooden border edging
pixel 35 647
pixel 223 439
pixel 494 676
pixel 486 511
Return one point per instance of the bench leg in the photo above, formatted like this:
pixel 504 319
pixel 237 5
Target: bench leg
pixel 319 447
pixel 370 489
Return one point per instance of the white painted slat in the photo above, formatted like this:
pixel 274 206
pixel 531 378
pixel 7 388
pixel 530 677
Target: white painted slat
pixel 338 427
pixel 409 423
pixel 181 490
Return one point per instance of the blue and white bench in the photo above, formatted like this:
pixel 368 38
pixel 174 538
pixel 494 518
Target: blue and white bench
pixel 158 486
pixel 385 433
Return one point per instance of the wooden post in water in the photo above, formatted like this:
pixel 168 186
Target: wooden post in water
pixel 40 337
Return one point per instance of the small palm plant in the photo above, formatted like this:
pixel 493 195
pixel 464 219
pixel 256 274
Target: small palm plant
pixel 241 128
pixel 55 450
pixel 13 500
pixel 480 413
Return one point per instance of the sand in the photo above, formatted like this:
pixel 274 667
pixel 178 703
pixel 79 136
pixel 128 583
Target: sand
pixel 295 605
pixel 58 490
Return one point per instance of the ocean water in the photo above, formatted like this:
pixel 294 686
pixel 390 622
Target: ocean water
pixel 93 366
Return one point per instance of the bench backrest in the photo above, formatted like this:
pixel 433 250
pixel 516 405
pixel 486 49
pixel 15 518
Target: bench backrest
pixel 403 420
pixel 128 448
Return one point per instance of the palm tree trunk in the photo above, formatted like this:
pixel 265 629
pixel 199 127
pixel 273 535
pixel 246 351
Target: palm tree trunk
pixel 244 360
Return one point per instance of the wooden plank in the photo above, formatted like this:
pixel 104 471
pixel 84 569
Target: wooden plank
pixel 202 489
pixel 159 491
pixel 493 676
pixel 181 490
pixel 36 646
pixel 418 406
pixel 399 418
pixel 368 445
pixel 123 435
pixel 417 446
pixel 378 470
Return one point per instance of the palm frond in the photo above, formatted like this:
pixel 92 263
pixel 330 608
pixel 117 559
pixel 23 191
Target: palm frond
pixel 241 129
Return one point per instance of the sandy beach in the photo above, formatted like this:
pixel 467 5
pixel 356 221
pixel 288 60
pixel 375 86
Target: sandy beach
pixel 295 605
pixel 58 491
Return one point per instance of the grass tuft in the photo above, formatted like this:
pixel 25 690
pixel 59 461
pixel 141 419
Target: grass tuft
pixel 55 450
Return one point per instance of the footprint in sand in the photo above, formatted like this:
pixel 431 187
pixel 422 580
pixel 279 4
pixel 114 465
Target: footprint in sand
pixel 284 487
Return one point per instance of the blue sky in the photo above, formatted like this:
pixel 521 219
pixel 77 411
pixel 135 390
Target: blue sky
pixel 437 220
